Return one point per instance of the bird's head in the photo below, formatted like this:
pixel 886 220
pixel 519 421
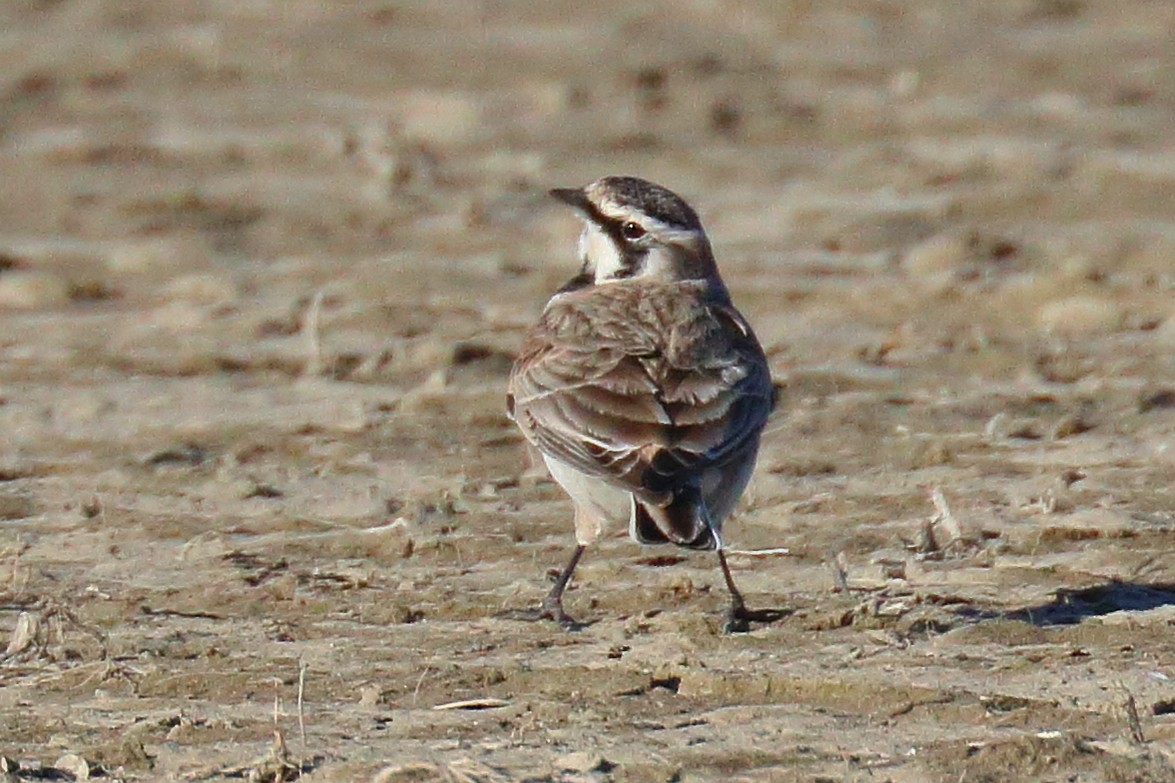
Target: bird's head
pixel 636 230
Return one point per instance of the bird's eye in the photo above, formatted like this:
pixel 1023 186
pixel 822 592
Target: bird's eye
pixel 631 231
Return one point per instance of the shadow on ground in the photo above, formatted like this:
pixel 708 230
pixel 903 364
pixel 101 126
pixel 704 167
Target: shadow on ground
pixel 1070 607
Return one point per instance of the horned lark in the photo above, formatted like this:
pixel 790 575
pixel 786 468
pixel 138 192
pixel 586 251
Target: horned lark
pixel 642 386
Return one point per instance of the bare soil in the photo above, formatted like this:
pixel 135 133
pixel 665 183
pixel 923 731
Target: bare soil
pixel 264 265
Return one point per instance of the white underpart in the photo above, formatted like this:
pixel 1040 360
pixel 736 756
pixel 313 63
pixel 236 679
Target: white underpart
pixel 602 502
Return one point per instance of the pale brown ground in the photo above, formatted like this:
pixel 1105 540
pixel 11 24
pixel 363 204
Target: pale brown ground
pixel 953 225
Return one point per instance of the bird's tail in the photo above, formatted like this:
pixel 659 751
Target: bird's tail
pixel 684 521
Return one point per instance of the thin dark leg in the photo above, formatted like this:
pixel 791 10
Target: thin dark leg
pixel 737 617
pixel 552 607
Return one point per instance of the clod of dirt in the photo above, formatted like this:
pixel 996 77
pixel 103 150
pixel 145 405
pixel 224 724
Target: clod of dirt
pixel 276 766
pixel 186 454
pixel 32 290
pixel 725 118
pixel 650 84
pixel 473 361
pixel 8 262
pixel 24 635
pixel 458 771
pixel 1068 426
pixel 11 471
pixel 9 769
pixel 92 291
pixel 255 568
pixel 1164 398
pixel 1164 334
pixel 1025 430
pixel 92 507
pixel 16 505
pixel 938 255
pixel 1065 366
pixel 265 491
pixel 129 753
pixel 660 561
pixel 160 255
pixel 1080 316
pixel 583 761
pixel 941 259
pixel 204 288
pixel 73 764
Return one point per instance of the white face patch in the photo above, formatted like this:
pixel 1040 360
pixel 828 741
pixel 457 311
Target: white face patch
pixel 601 254
pixel 660 262
pixel 664 253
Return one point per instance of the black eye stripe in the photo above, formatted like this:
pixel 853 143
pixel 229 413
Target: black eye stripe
pixel 628 269
pixel 612 229
pixel 595 215
pixel 611 226
pixel 632 263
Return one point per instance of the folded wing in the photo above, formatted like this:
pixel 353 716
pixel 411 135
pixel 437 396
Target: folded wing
pixel 644 405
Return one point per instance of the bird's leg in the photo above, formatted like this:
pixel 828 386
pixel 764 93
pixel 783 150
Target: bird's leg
pixel 552 606
pixel 737 616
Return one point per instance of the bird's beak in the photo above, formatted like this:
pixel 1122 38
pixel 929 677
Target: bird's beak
pixel 573 197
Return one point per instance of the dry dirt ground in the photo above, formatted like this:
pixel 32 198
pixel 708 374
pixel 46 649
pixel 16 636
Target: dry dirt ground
pixel 263 266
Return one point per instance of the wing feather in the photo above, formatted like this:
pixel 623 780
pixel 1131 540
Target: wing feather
pixel 642 394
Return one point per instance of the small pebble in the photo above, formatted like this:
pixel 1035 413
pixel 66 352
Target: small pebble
pixel 172 255
pixel 1165 333
pixel 32 290
pixel 1079 316
pixel 73 764
pixel 581 761
pixel 936 256
pixel 201 288
pixel 16 505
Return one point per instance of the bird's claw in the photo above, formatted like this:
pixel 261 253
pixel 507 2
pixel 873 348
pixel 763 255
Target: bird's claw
pixel 548 610
pixel 738 619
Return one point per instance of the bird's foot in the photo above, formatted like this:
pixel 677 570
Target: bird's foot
pixel 739 617
pixel 548 610
pixel 553 610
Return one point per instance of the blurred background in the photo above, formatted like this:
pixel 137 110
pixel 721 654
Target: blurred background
pixel 263 269
pixel 187 155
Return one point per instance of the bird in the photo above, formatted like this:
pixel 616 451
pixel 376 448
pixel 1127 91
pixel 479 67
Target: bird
pixel 641 385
